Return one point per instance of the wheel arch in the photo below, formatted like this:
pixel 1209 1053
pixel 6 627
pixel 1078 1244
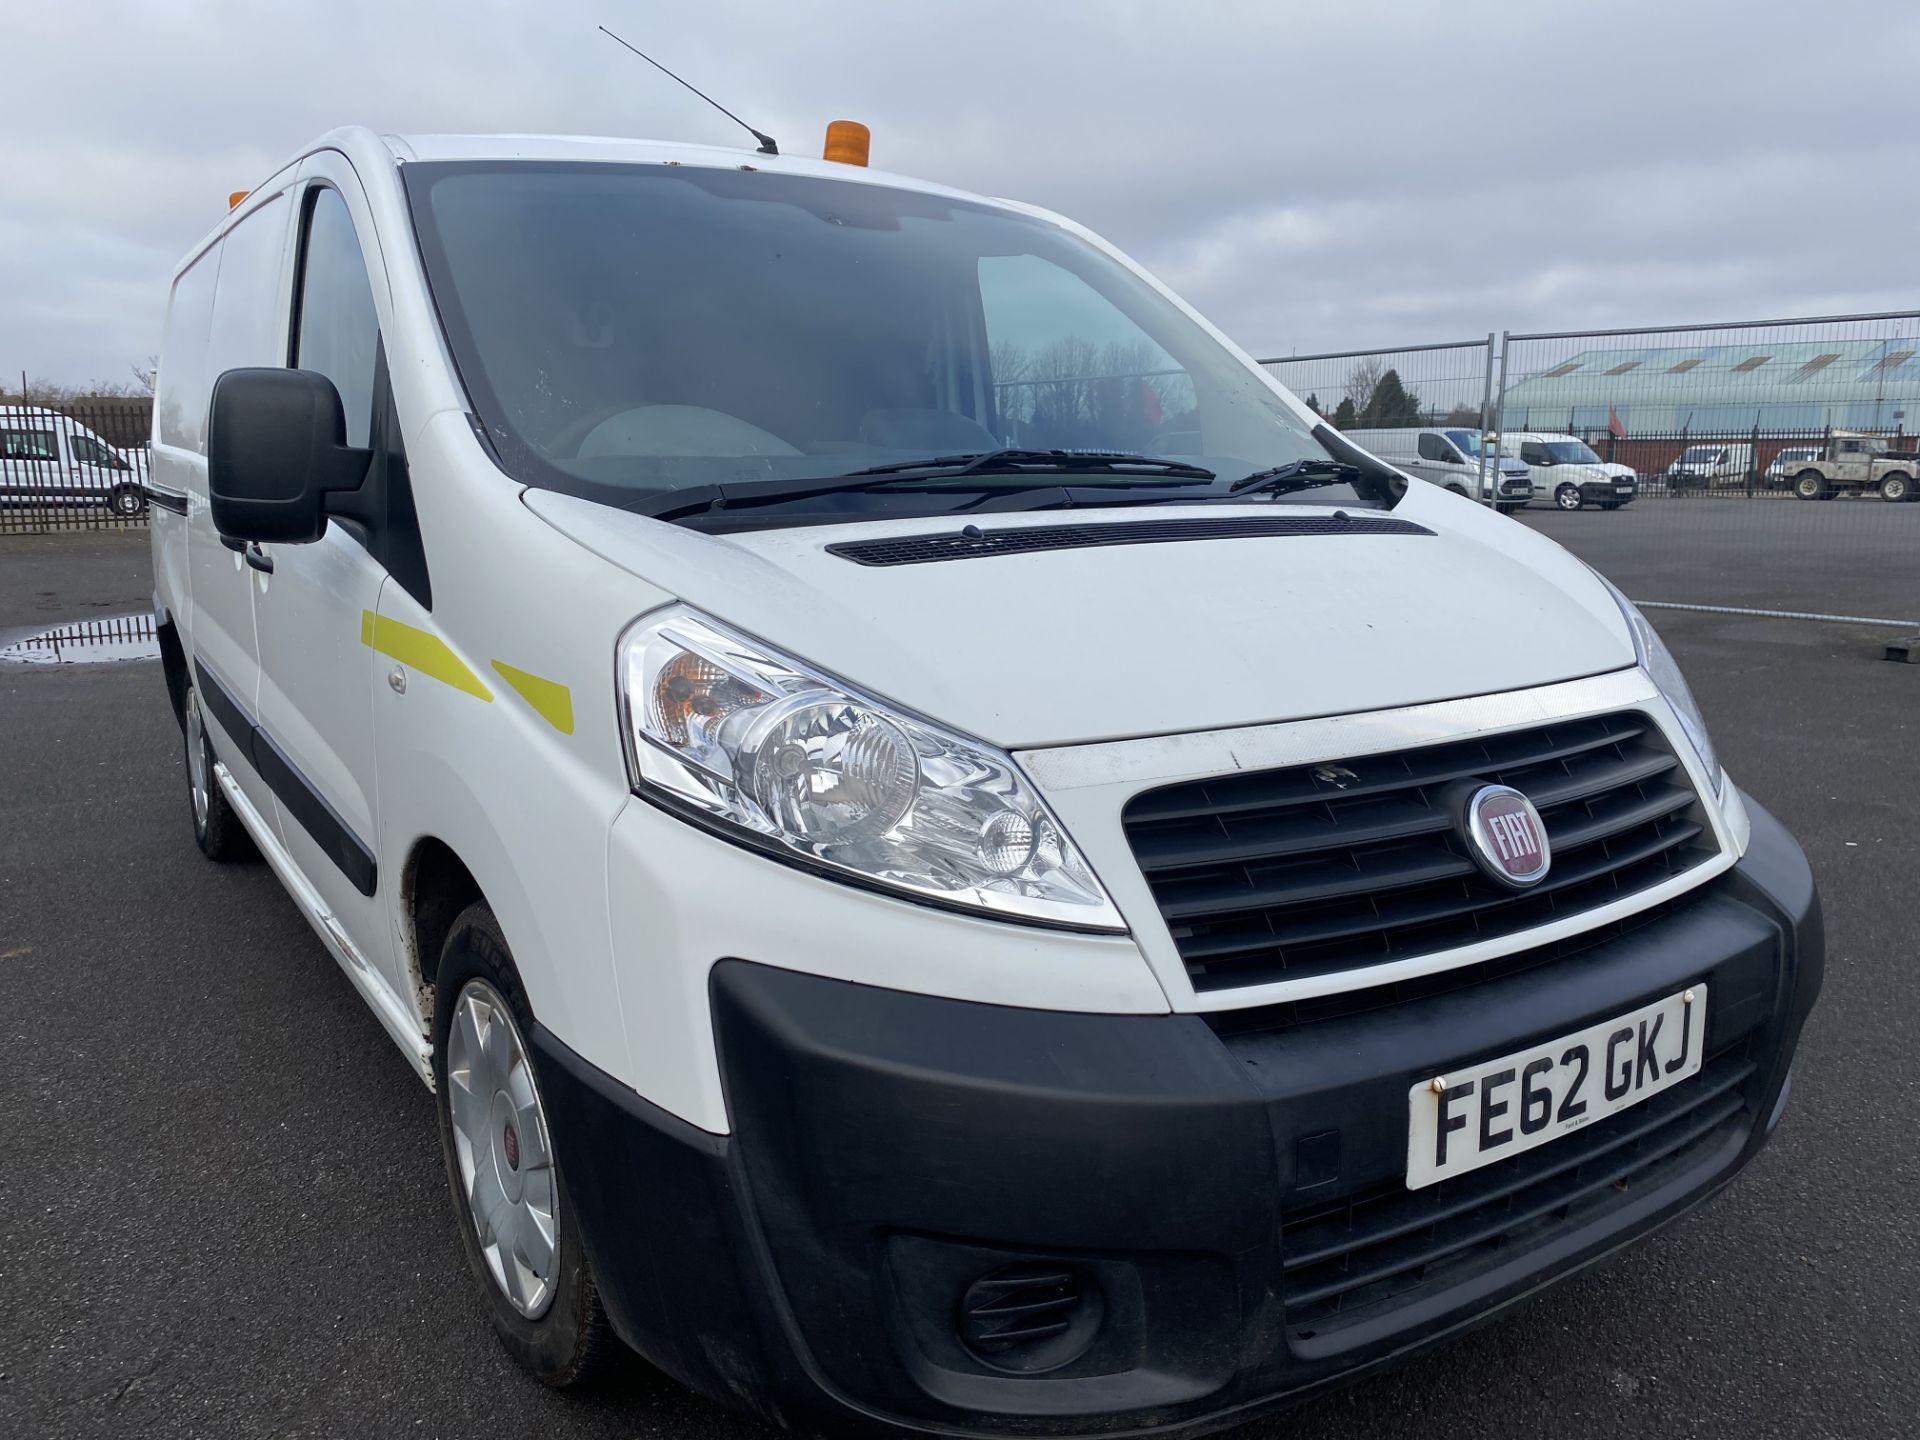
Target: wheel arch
pixel 435 886
pixel 454 856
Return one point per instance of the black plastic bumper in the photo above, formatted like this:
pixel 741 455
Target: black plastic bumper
pixel 817 1267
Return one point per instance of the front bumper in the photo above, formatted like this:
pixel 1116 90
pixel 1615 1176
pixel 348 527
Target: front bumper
pixel 1188 1175
pixel 1609 488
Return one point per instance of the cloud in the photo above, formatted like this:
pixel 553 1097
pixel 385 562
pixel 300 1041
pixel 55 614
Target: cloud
pixel 1312 178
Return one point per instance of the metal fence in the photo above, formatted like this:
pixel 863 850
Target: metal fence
pixel 1807 429
pixel 73 465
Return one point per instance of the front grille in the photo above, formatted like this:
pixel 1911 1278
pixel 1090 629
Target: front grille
pixel 1359 1257
pixel 1283 874
pixel 1029 539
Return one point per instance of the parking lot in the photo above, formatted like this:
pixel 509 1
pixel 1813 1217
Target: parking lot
pixel 222 1209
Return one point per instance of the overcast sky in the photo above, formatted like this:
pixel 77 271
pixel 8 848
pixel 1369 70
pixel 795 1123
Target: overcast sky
pixel 1313 177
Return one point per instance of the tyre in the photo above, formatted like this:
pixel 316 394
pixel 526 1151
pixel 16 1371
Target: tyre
pixel 516 1228
pixel 127 500
pixel 1897 486
pixel 1456 490
pixel 217 827
pixel 1811 485
pixel 1509 508
pixel 1568 497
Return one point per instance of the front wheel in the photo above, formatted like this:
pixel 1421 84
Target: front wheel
pixel 127 500
pixel 1568 497
pixel 1897 487
pixel 217 828
pixel 516 1227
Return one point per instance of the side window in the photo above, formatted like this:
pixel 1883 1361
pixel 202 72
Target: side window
pixel 1534 453
pixel 184 383
pixel 28 445
pixel 89 451
pixel 1433 447
pixel 1069 369
pixel 336 330
pixel 245 331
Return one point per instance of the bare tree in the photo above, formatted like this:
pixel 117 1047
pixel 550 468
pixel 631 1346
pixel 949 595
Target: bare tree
pixel 145 375
pixel 1363 379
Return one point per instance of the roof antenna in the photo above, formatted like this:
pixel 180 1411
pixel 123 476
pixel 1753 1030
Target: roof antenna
pixel 767 147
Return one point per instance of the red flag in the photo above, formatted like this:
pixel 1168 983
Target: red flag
pixel 1614 427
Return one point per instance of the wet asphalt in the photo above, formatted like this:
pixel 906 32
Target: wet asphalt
pixel 221 1204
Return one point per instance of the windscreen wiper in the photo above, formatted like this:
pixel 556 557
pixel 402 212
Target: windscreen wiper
pixel 938 473
pixel 1013 461
pixel 1297 475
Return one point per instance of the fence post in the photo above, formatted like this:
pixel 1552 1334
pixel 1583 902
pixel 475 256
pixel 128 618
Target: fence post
pixel 1487 494
pixel 1499 407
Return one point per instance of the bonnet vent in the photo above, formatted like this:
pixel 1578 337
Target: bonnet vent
pixel 1025 540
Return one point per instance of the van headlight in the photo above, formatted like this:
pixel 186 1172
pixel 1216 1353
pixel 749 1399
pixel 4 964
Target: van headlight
pixel 783 757
pixel 1659 663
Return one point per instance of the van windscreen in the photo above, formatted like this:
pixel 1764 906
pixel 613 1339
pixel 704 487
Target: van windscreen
pixel 624 330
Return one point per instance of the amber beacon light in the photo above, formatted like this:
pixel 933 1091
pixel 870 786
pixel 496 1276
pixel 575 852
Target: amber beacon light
pixel 236 197
pixel 847 142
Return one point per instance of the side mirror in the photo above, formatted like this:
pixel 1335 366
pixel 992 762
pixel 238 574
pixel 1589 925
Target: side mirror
pixel 276 449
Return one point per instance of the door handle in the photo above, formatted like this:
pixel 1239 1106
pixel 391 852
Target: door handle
pixel 257 558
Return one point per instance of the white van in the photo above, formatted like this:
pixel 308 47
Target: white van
pixel 49 458
pixel 1567 473
pixel 912 932
pixel 1786 464
pixel 1716 465
pixel 1450 458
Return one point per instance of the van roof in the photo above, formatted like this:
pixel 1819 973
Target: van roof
pixel 366 149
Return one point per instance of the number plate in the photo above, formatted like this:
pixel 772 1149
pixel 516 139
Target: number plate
pixel 1483 1114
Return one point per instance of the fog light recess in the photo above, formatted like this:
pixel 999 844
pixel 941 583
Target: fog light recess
pixel 1030 1317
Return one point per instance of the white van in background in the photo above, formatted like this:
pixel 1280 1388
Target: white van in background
pixel 929 904
pixel 1787 464
pixel 1568 473
pixel 1711 466
pixel 49 458
pixel 1450 458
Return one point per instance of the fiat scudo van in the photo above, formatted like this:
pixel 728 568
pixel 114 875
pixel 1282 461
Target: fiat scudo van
pixel 937 838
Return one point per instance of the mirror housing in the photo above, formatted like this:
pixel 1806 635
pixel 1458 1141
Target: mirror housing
pixel 276 450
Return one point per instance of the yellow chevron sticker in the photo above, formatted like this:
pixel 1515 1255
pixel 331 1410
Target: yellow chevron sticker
pixel 422 650
pixel 550 700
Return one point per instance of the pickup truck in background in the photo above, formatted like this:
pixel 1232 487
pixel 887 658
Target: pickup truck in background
pixel 1856 463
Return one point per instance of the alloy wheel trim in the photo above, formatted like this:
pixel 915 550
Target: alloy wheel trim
pixel 502 1150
